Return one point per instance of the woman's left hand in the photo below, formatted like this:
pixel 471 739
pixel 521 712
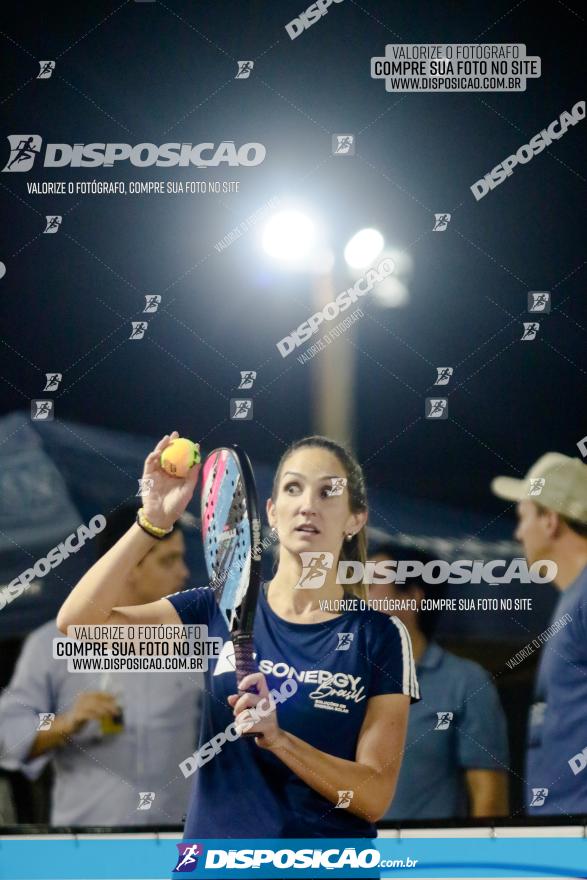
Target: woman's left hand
pixel 255 713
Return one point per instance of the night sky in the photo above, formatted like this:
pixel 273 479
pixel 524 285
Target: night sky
pixel 165 72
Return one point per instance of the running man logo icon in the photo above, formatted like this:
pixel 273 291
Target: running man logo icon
pixel 188 856
pixel 539 301
pixel 24 148
pixel 53 380
pixel 437 408
pixel 247 379
pixel 444 375
pixel 244 69
pixel 146 799
pixel 441 222
pixel 344 799
pixel 343 145
pixel 337 487
pixel 444 719
pixel 138 329
pixel 152 303
pixel 42 410
pixel 46 69
pixel 536 486
pixel 314 568
pixel 344 641
pixel 53 223
pixel 539 795
pixel 45 720
pixel 531 328
pixel 241 409
pixel 145 486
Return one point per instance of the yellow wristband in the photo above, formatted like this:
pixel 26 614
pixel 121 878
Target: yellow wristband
pixel 148 527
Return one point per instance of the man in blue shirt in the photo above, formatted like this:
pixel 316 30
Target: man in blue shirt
pixel 456 756
pixel 552 525
pixel 115 739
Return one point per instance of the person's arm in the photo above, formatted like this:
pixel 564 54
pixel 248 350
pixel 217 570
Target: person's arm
pixel 488 793
pixel 372 776
pixel 94 598
pixel 55 738
pixel 28 694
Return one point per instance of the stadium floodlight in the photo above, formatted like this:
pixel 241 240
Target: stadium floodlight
pixel 363 248
pixel 289 236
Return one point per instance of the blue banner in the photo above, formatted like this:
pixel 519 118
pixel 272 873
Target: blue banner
pixel 164 859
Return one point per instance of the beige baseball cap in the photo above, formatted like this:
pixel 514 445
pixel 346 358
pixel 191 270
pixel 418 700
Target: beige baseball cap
pixel 556 481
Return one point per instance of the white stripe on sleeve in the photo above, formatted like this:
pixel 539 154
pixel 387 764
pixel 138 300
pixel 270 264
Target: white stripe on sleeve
pixel 409 680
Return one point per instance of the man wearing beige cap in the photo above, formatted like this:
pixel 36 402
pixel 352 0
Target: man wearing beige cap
pixel 552 524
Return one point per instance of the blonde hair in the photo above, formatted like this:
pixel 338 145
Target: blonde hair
pixel 355 549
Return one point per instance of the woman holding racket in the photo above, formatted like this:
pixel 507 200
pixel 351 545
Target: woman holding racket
pixel 325 762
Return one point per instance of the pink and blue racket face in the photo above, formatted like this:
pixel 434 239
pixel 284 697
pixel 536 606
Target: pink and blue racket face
pixel 226 531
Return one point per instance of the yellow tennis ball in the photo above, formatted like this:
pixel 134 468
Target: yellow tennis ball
pixel 180 456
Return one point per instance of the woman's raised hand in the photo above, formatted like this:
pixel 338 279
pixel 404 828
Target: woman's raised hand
pixel 165 497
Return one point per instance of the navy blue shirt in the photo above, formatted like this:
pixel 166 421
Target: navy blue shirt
pixel 556 765
pixel 458 726
pixel 245 790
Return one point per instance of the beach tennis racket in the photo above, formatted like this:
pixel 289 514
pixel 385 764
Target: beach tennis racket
pixel 231 534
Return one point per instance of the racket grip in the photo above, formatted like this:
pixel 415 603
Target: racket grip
pixel 243 656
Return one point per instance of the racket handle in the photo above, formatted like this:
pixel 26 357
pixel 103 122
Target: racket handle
pixel 245 663
pixel 243 656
